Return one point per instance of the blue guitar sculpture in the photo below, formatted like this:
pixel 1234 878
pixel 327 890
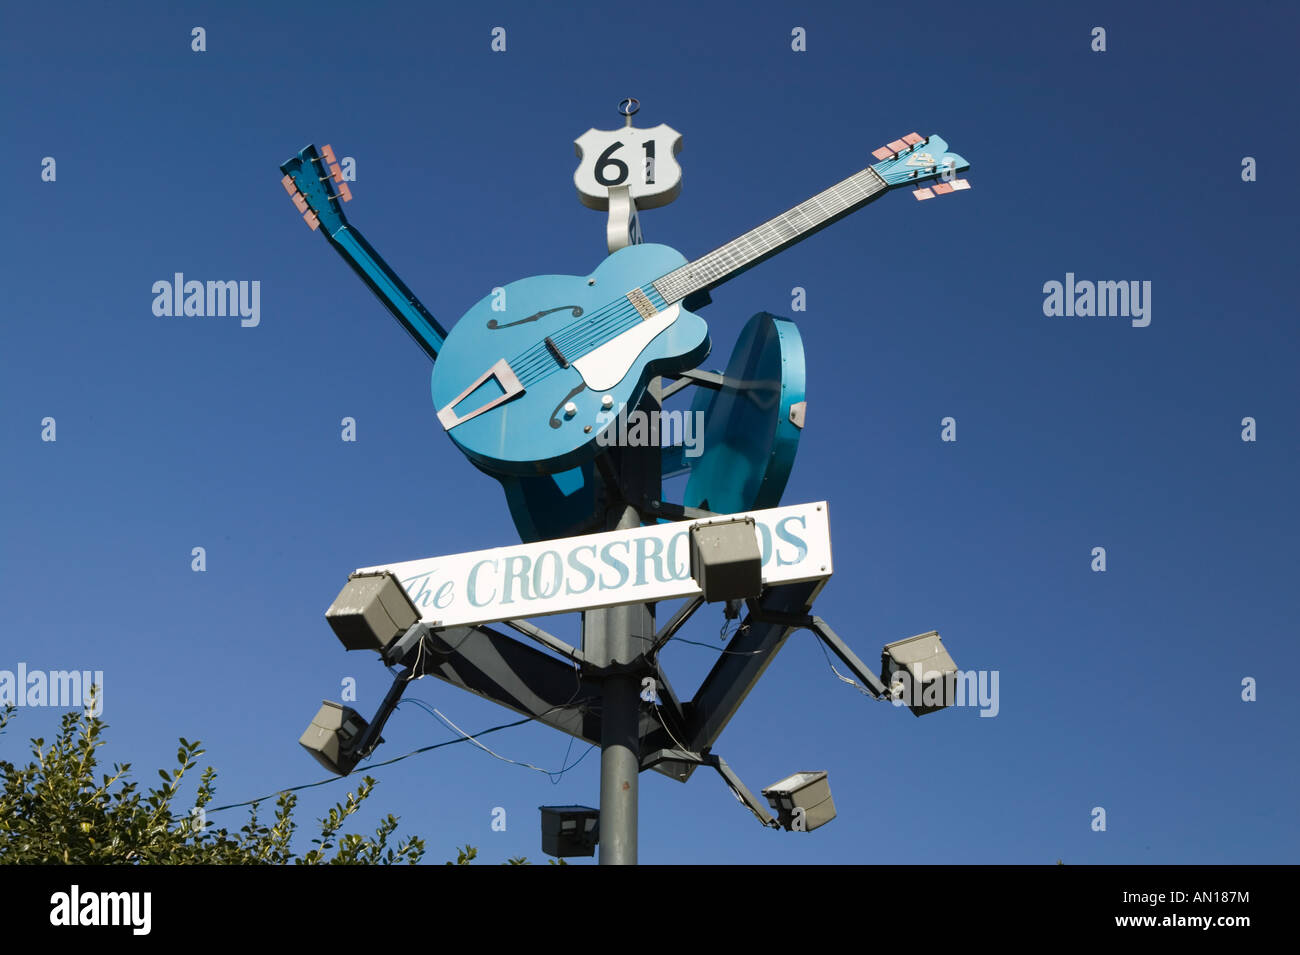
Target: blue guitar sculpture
pixel 523 379
pixel 520 391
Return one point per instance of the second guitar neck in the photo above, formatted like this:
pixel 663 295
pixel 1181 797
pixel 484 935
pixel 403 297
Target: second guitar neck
pixel 391 290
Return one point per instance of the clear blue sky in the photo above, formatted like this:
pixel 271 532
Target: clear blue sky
pixel 1119 689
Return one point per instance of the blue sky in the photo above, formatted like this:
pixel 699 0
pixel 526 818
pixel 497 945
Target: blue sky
pixel 1120 690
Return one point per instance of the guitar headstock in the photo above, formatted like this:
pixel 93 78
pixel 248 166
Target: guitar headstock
pixel 915 159
pixel 307 179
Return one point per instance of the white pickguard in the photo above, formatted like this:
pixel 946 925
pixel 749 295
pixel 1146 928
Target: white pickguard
pixel 609 364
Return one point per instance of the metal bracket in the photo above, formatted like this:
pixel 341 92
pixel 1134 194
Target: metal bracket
pixel 398 650
pixel 734 782
pixel 741 790
pixel 675 512
pixel 678 620
pixel 370 737
pixel 550 641
pixel 696 376
pixel 871 683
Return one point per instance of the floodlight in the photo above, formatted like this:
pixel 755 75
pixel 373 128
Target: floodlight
pixel 802 802
pixel 725 559
pixel 570 830
pixel 920 672
pixel 371 612
pixel 333 735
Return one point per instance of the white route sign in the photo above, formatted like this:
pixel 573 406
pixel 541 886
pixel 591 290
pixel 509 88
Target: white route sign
pixel 644 160
pixel 638 565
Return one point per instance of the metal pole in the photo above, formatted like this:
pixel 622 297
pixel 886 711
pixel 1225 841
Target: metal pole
pixel 620 748
pixel 620 635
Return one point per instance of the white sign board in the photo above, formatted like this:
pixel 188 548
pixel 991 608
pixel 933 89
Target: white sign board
pixel 638 565
pixel 644 160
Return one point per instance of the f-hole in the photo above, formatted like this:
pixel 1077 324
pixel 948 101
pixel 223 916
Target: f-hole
pixel 492 323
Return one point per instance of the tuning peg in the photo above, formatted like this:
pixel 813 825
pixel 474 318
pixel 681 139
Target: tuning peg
pixel 328 152
pixel 311 220
pixel 941 189
pixel 914 139
pixel 299 201
pixel 289 187
pixel 336 172
pixel 897 146
pixel 345 192
pixel 884 152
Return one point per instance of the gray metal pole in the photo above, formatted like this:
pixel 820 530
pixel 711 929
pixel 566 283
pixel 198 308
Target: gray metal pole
pixel 620 748
pixel 620 635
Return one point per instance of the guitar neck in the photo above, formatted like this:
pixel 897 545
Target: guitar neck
pixel 772 236
pixel 391 290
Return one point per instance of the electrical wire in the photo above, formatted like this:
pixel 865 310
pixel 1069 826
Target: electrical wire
pixel 565 762
pixel 709 646
pixel 659 716
pixel 423 749
pixel 853 683
pixel 416 672
pixel 555 774
pixel 387 762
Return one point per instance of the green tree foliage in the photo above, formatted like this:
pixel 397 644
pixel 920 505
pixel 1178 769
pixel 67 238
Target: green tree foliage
pixel 53 811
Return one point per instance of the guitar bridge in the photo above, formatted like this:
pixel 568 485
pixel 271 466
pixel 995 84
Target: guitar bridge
pixel 641 303
pixel 504 376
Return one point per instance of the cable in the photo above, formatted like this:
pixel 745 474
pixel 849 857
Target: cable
pixel 416 752
pixel 387 762
pixel 416 672
pixel 853 683
pixel 554 774
pixel 741 799
pixel 719 650
pixel 556 781
pixel 666 729
pixel 709 646
pixel 565 762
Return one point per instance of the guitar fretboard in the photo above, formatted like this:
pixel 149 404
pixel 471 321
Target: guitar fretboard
pixel 772 236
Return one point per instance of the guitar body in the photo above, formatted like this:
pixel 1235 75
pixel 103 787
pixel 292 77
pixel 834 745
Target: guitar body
pixel 505 376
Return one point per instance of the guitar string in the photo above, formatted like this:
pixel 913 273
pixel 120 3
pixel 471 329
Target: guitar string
pixel 536 353
pixel 576 337
pixel 571 340
pixel 778 231
pixel 781 229
pixel 599 318
pixel 530 358
pixel 771 234
pixel 623 318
